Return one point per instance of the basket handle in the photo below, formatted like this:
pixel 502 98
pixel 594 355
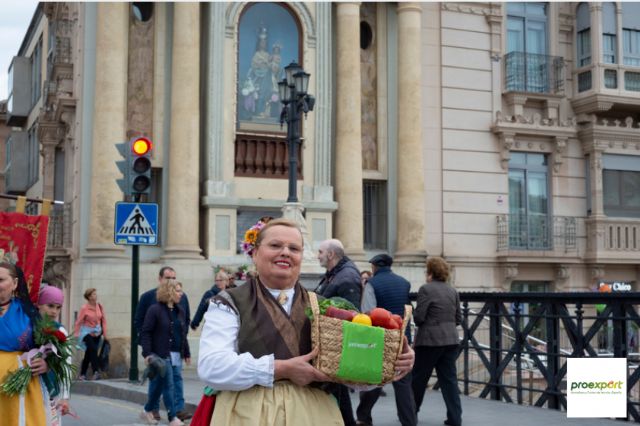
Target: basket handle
pixel 313 302
pixel 408 310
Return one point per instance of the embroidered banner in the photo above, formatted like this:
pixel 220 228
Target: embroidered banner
pixel 23 241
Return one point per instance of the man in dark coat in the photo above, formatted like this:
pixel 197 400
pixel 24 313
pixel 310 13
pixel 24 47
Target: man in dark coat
pixel 342 279
pixel 389 291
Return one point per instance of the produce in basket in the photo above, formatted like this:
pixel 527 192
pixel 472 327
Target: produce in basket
pixel 354 353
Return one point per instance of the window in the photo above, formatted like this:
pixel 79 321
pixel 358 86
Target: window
pixel 527 28
pixel 611 79
pixel 33 165
pixel 583 37
pixel 621 192
pixel 268 34
pixel 375 214
pixel 631 34
pixel 36 73
pixel 609 30
pixel 528 311
pixel 529 221
pixel 528 68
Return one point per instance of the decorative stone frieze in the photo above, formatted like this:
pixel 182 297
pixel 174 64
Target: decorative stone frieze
pixel 552 133
pixel 483 9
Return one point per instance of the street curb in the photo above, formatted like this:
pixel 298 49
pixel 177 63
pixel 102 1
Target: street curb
pixel 105 390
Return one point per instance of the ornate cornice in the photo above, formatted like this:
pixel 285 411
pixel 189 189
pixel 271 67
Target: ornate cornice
pixel 553 135
pixel 610 134
pixel 482 9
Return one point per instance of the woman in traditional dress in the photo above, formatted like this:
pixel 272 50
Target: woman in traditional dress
pixel 255 347
pixel 17 319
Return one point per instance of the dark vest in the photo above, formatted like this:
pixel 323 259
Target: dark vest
pixel 265 327
pixel 392 291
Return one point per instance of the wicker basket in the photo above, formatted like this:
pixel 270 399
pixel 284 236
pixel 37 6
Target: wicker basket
pixel 326 332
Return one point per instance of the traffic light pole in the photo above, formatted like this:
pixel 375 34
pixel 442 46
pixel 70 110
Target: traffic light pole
pixel 135 276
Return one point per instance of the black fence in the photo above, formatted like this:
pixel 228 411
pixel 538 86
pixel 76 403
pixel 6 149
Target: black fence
pixel 515 345
pixel 533 73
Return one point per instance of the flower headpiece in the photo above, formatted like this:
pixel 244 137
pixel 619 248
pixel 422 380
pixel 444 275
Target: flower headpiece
pixel 251 235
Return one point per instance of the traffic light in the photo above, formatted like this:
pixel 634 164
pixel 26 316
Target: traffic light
pixel 124 165
pixel 135 166
pixel 140 178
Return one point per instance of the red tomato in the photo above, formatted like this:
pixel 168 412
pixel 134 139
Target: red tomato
pixel 380 317
pixel 397 319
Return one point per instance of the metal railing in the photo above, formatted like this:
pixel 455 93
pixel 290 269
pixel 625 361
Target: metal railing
pixel 515 345
pixel 534 73
pixel 60 227
pixel 536 232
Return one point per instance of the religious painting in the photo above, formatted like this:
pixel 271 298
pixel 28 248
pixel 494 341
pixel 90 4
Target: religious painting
pixel 268 40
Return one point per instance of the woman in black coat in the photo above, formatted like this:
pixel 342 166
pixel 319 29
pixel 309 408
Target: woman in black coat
pixel 437 316
pixel 164 334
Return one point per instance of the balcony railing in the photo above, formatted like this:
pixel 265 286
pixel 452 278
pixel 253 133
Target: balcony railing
pixel 536 232
pixel 515 346
pixel 613 238
pixel 533 73
pixel 263 156
pixel 60 227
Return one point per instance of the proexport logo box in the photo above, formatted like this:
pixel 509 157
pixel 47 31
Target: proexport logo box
pixel 596 387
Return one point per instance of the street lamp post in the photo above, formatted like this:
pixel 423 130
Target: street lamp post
pixel 295 99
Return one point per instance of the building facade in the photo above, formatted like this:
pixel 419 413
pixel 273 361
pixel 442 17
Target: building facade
pixel 502 136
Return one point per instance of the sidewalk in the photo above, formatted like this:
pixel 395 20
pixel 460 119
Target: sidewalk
pixel 476 412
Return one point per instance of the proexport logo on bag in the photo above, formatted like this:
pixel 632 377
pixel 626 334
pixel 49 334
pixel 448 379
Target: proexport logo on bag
pixel 596 387
pixel 362 345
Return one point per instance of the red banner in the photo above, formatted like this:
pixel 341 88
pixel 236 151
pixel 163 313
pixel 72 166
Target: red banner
pixel 23 241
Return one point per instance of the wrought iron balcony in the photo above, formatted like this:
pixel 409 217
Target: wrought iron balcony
pixel 60 229
pixel 533 73
pixel 536 232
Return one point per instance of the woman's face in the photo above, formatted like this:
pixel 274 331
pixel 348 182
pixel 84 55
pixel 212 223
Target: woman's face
pixel 278 257
pixel 364 277
pixel 177 295
pixel 222 282
pixel 8 285
pixel 50 309
pixel 93 297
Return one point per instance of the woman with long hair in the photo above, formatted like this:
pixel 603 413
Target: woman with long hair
pixel 18 317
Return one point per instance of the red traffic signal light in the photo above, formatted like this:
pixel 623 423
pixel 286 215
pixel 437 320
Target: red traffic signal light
pixel 141 146
pixel 141 165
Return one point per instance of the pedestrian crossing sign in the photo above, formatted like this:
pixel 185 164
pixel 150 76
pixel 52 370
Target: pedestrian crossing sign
pixel 136 224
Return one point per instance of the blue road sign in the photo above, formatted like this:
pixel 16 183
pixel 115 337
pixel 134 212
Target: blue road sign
pixel 136 224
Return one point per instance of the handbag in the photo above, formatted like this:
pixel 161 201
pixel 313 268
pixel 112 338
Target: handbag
pixel 103 355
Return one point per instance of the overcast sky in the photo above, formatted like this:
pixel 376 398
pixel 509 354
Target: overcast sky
pixel 14 21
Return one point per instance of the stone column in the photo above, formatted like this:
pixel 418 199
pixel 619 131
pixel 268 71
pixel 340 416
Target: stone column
pixel 411 202
pixel 595 10
pixel 109 125
pixel 184 144
pixel 348 175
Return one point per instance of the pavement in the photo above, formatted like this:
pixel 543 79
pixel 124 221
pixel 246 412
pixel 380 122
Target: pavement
pixel 476 412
